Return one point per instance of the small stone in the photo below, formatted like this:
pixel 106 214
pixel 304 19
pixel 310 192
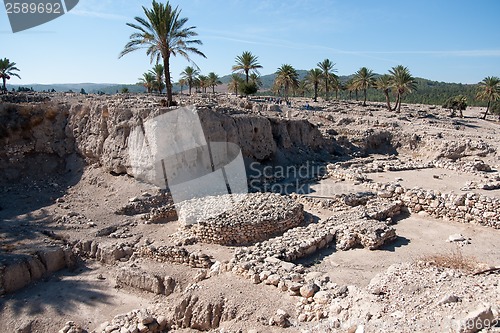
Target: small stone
pixel 456 238
pixel 322 297
pixel 449 299
pixel 308 290
pixel 477 320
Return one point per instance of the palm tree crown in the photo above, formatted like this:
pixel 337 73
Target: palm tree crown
pixel 234 84
pixel 384 83
pixel 326 66
pixel 158 71
pixel 286 77
pixel 489 90
pixel 190 74
pixel 364 79
pixel 246 63
pixel 403 82
pixel 314 79
pixel 7 70
pixel 148 81
pixel 213 80
pixel 163 34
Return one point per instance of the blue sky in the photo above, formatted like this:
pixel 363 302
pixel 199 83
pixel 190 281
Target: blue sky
pixel 443 40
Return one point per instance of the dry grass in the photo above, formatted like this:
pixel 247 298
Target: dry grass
pixel 453 260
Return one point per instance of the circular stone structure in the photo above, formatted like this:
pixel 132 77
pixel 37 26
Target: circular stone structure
pixel 249 218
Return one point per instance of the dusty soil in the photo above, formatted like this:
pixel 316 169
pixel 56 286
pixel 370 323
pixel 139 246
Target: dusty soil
pixel 31 212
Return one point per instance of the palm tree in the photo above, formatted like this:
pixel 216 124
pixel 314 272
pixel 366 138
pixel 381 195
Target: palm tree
pixel 364 79
pixel 202 83
pixel 326 66
pixel 403 82
pixel 314 77
pixel 246 63
pixel 158 71
pixel 286 77
pixel 384 83
pixel 336 85
pixel 213 80
pixel 189 75
pixel 303 88
pixel 163 34
pixel 7 70
pixel 235 82
pixel 489 90
pixel 456 103
pixel 148 80
pixel 254 78
pixel 182 83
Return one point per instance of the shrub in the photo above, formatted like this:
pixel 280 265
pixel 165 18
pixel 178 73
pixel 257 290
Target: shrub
pixel 248 88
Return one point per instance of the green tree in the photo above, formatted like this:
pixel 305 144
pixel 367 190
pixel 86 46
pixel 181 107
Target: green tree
pixel 495 108
pixel 363 80
pixel 124 90
pixel 190 74
pixel 489 90
pixel 248 88
pixel 163 34
pixel 7 70
pixel 182 83
pixel 286 78
pixel 246 63
pixel 456 103
pixel 254 78
pixel 202 83
pixel 213 81
pixel 384 84
pixel 313 78
pixel 148 81
pixel 403 83
pixel 158 71
pixel 327 68
pixel 303 88
pixel 235 83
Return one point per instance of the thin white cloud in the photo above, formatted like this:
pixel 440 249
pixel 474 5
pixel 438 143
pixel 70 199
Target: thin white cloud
pixel 449 53
pixel 101 15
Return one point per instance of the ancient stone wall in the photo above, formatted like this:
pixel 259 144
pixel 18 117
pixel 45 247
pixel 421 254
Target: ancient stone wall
pixel 222 233
pixel 250 218
pixel 466 207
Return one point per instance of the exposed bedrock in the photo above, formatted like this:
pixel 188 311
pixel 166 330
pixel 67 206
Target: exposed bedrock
pixel 44 134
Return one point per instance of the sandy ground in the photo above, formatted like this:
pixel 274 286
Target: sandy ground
pixel 82 296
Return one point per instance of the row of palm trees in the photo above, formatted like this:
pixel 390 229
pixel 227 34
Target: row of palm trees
pixel 153 80
pixel 163 34
pixel 191 77
pixel 7 70
pixel 323 76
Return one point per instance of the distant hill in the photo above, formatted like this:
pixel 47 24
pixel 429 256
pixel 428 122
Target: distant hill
pixel 428 92
pixel 91 88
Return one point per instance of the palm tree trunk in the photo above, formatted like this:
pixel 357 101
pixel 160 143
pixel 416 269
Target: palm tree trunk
pixel 399 105
pixel 388 101
pixel 3 87
pixel 326 89
pixel 246 76
pixel 397 102
pixel 364 101
pixel 168 84
pixel 356 94
pixel 484 117
pixel 190 85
